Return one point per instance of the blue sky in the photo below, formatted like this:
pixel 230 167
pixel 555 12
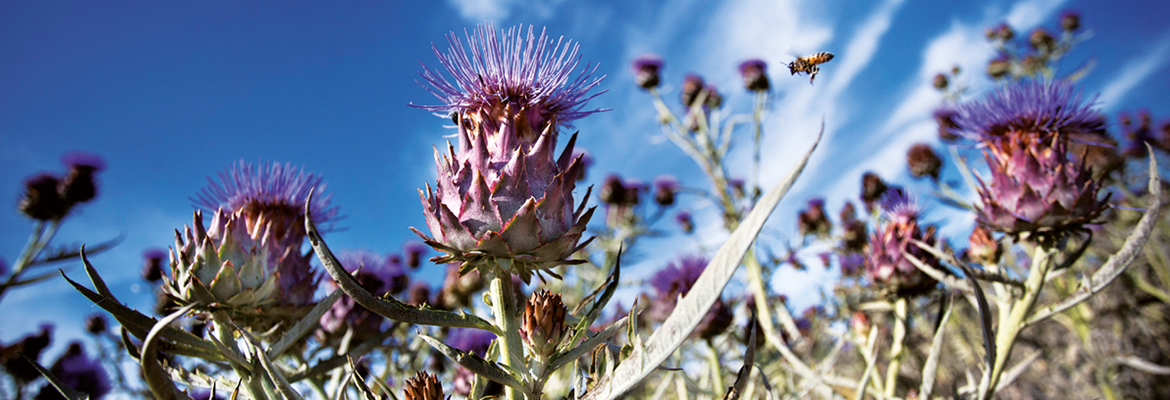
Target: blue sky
pixel 170 93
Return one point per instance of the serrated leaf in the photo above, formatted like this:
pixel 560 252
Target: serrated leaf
pixel 475 363
pixel 303 326
pixel 387 307
pixel 691 308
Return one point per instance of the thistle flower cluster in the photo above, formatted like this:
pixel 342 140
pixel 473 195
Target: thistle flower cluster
pixel 48 197
pixel 886 262
pixel 504 193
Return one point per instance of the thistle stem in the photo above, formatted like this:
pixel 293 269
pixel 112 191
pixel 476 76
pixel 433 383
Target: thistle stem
pixel 40 237
pixel 252 386
pixel 716 367
pixel 504 309
pixel 1010 331
pixel 896 350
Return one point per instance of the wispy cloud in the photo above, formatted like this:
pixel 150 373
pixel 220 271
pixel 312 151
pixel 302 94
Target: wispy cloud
pixel 1134 72
pixel 500 10
pixel 863 46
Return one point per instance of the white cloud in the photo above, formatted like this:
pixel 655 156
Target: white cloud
pixel 863 46
pixel 499 10
pixel 1134 72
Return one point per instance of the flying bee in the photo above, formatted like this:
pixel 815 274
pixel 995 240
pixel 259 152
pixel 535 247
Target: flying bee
pixel 808 64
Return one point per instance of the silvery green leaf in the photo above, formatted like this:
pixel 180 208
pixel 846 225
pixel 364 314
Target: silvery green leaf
pixel 475 363
pixel 364 389
pixel 1119 261
pixel 303 326
pixel 930 368
pixel 275 375
pixel 65 391
pixel 153 373
pixel 561 359
pixel 184 343
pixel 1015 371
pixel 387 307
pixel 691 308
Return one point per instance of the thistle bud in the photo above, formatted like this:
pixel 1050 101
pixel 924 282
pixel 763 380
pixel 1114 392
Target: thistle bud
pixel 738 188
pixel 718 318
pixel 152 270
pixel 646 70
pixel 78 185
pixel 1041 40
pixel 940 81
pixel 664 190
pixel 542 326
pixel 872 189
pixel 613 191
pixel 983 248
pixel 414 251
pixel 423 386
pixel 1001 32
pixel 95 323
pixel 860 324
pixel 714 99
pixel 685 221
pixel 80 372
pixel 692 86
pixel 999 67
pixel 1070 20
pixel 14 357
pixel 754 73
pixel 419 294
pixel 812 220
pixel 40 200
pixel 853 237
pixel 923 161
pixel 945 118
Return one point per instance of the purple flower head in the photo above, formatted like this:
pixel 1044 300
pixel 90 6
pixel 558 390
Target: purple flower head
pixel 665 188
pixel 40 200
pixel 1036 107
pixel 678 276
pixel 900 207
pixel 851 264
pixel 647 68
pixel 384 274
pixel 80 372
pixel 1070 20
pixel 945 118
pixel 754 73
pixel 685 221
pixel 511 70
pixel 152 270
pixel 414 251
pixel 271 198
pixel 692 86
pixel 471 340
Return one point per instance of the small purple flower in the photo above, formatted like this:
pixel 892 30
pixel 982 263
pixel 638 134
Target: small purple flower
pixel 414 251
pixel 692 86
pixel 471 340
pixel 272 196
pixel 79 372
pixel 754 73
pixel 852 264
pixel 152 269
pixel 1035 107
pixel 647 68
pixel 813 220
pixel 665 188
pixel 685 221
pixel 79 185
pixel 677 279
pixel 522 73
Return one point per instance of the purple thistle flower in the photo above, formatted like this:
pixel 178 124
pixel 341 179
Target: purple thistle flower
pixel 685 221
pixel 665 188
pixel 677 279
pixel 414 251
pixel 647 68
pixel 79 372
pixel 523 73
pixel 378 275
pixel 471 340
pixel 754 73
pixel 272 198
pixel 1035 107
pixel 886 262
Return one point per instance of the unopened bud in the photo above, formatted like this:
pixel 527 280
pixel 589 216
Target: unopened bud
pixel 79 186
pixel 945 118
pixel 646 70
pixel 1070 21
pixel 1041 40
pixel 999 67
pixel 414 251
pixel 1003 32
pixel 940 81
pixel 716 321
pixel 872 189
pixel 423 386
pixel 40 200
pixel 153 259
pixel 812 220
pixel 685 221
pixel 754 73
pixel 714 99
pixel 923 161
pixel 692 85
pixel 95 324
pixel 542 326
pixel 860 324
pixel 612 190
pixel 664 190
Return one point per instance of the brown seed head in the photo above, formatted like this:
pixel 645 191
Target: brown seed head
pixel 423 386
pixel 543 323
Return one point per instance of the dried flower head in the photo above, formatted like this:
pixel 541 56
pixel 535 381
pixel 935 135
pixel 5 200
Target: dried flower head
pixel 1041 40
pixel 999 67
pixel 944 117
pixel 692 86
pixel 813 220
pixel 872 189
pixel 40 200
pixel 940 81
pixel 95 323
pixel 14 357
pixel 647 70
pixel 79 185
pixel 1070 20
pixel 755 75
pixel 665 188
pixel 423 386
pixel 685 221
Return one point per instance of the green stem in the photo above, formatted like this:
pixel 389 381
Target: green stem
pixel 1010 331
pixel 252 387
pixel 896 351
pixel 716 367
pixel 504 309
pixel 757 124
